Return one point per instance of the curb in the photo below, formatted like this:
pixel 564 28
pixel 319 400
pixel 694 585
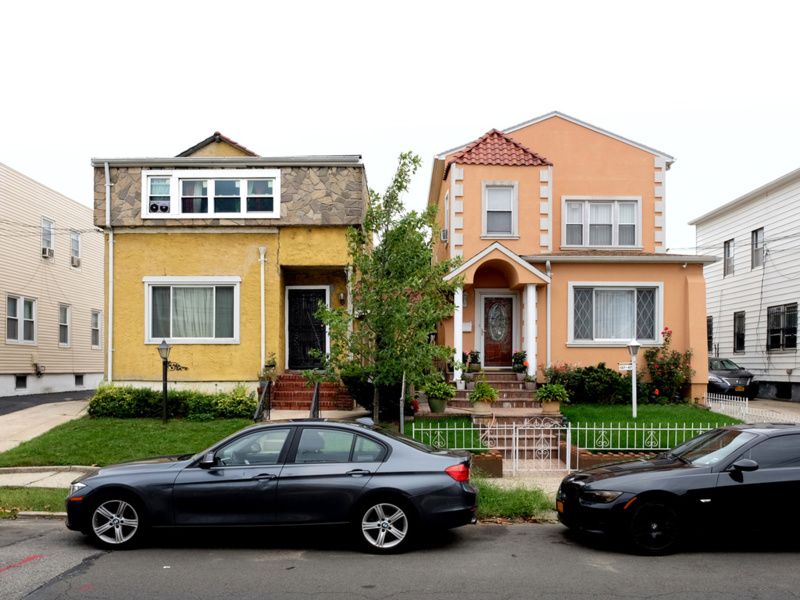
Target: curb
pixel 39 514
pixel 53 469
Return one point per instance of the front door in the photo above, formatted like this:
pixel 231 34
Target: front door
pixel 305 331
pixel 498 329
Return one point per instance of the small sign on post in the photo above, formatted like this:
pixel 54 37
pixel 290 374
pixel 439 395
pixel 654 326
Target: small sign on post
pixel 626 366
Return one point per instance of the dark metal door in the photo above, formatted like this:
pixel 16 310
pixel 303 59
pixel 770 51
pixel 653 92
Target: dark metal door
pixel 498 325
pixel 306 332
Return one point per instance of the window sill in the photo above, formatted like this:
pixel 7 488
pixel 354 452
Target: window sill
pixel 196 341
pixel 615 248
pixel 499 237
pixel 610 344
pixel 782 351
pixel 18 343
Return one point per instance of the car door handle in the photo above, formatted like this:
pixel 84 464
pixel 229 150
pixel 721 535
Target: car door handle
pixel 357 472
pixel 265 476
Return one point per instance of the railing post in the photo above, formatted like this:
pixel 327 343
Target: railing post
pixel 569 446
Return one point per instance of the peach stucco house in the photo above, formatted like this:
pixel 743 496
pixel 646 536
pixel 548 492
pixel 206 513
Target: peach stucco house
pixel 561 229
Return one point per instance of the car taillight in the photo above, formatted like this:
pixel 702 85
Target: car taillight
pixel 458 472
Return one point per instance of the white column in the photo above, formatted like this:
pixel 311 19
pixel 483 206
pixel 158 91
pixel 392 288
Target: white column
pixel 530 327
pixel 458 329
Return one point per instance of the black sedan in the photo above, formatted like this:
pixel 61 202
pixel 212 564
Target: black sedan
pixel 726 478
pixel 726 377
pixel 385 486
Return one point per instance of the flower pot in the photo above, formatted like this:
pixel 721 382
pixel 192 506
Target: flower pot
pixel 520 375
pixel 482 407
pixel 551 407
pixel 437 405
pixel 470 385
pixel 530 385
pixel 460 385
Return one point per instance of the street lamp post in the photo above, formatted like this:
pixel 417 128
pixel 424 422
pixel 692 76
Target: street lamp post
pixel 633 348
pixel 163 352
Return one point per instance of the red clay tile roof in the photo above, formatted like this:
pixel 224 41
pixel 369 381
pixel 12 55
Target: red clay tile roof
pixel 216 137
pixel 496 148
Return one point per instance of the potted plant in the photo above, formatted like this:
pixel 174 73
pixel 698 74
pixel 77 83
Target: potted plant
pixel 519 364
pixel 482 395
pixel 438 393
pixel 551 395
pixel 474 361
pixel 530 382
pixel 267 373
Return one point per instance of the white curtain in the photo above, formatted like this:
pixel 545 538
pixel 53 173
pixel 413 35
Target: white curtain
pixel 192 312
pixel 627 223
pixel 614 314
pixel 600 224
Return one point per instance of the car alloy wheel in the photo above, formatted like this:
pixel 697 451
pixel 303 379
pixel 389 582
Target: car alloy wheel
pixel 385 526
pixel 115 522
pixel 655 528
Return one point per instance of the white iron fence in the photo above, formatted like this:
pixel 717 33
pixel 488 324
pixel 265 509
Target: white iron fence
pixel 742 408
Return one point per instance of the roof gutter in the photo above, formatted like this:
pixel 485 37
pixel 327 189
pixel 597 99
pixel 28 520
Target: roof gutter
pixel 616 258
pixel 348 160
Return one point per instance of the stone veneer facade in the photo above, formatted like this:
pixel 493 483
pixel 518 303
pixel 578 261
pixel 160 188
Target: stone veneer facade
pixel 309 196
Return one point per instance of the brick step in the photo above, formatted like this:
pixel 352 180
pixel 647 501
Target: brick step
pixel 495 376
pixel 507 394
pixel 307 390
pixel 303 396
pixel 460 403
pixel 508 386
pixel 299 387
pixel 323 405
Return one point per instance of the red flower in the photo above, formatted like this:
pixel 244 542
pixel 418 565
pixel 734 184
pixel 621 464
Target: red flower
pixel 655 391
pixel 524 363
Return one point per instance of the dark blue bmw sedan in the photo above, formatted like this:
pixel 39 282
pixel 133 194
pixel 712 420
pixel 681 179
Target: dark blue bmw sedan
pixel 385 486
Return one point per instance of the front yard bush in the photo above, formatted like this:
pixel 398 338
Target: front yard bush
pixel 124 402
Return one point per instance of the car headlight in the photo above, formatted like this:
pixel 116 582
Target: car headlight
pixel 75 487
pixel 600 496
pixel 715 379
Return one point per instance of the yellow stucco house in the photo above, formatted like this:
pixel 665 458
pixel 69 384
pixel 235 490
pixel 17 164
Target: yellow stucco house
pixel 561 227
pixel 225 255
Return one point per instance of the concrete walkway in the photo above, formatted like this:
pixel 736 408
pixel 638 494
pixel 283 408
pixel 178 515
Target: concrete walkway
pixel 29 423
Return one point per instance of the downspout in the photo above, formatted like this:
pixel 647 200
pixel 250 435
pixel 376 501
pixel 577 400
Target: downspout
pixel 262 251
pixel 110 323
pixel 549 290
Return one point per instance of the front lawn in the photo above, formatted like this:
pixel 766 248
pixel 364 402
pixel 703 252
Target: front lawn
pixel 104 441
pixel 445 432
pixel 16 499
pixel 647 414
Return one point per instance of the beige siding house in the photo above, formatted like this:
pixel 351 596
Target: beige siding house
pixel 51 288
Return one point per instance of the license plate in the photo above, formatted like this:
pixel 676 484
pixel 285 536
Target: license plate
pixel 739 388
pixel 559 506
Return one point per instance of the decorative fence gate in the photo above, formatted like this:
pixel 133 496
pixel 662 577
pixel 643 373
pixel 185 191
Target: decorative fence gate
pixel 741 408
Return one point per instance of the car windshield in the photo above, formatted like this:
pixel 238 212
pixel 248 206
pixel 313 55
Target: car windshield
pixel 722 364
pixel 712 446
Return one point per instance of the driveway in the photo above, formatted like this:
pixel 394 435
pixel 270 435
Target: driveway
pixel 26 424
pixel 10 404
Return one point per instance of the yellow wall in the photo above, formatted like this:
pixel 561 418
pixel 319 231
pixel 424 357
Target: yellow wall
pixel 137 255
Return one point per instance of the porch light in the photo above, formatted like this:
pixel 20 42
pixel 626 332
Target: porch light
pixel 163 352
pixel 633 349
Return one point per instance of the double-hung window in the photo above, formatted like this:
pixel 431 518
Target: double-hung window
pixel 95 327
pixel 211 193
pixel 48 227
pixel 500 209
pixel 602 222
pixel 20 320
pixel 63 324
pixel 710 333
pixel 615 313
pixel 782 327
pixel 728 249
pixel 757 248
pixel 75 248
pixel 738 331
pixel 192 310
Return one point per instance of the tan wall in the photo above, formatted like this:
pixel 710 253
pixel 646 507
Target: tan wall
pixel 51 282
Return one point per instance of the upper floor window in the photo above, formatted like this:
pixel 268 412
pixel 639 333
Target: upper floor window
pixel 603 222
pixel 211 193
pixel 614 313
pixel 782 327
pixel 48 227
pixel 63 324
pixel 727 261
pixel 192 310
pixel 499 209
pixel 96 321
pixel 75 248
pixel 757 248
pixel 20 320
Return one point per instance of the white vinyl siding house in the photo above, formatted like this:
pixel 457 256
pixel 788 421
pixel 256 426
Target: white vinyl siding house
pixel 752 302
pixel 51 283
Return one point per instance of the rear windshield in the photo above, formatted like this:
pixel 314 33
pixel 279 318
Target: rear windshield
pixel 722 364
pixel 406 440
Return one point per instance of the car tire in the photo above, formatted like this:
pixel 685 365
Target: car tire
pixel 655 529
pixel 384 526
pixel 116 521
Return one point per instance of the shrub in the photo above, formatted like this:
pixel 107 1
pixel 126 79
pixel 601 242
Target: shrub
pixel 670 371
pixel 239 403
pixel 552 392
pixel 112 401
pixel 591 385
pixel 124 402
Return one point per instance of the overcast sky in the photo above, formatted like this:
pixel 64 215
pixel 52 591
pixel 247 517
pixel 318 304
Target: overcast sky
pixel 712 83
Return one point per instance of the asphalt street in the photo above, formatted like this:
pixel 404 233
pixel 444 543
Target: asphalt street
pixel 42 560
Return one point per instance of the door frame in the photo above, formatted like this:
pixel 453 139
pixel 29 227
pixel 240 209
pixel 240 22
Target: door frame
pixel 327 289
pixel 480 296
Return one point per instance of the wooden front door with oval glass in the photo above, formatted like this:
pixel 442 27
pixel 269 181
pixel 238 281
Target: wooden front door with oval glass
pixel 498 329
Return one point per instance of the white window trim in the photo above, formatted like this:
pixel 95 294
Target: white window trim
pixel 99 328
pixel 52 223
pixel 68 324
pixel 185 281
pixel 514 210
pixel 21 321
pixel 614 200
pixel 621 285
pixel 327 289
pixel 177 175
pixel 80 243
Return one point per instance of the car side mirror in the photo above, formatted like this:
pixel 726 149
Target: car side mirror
pixel 208 460
pixel 745 464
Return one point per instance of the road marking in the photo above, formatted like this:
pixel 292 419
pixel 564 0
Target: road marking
pixel 24 561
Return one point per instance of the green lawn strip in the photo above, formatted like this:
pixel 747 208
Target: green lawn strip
pixel 104 441
pixel 16 499
pixel 441 433
pixel 517 502
pixel 676 416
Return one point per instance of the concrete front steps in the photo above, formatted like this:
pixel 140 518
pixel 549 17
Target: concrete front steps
pixel 290 392
pixel 511 393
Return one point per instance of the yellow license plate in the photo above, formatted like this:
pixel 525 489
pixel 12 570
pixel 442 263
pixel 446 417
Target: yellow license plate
pixel 559 506
pixel 739 388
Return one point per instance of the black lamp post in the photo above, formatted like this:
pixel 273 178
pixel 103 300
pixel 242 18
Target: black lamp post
pixel 163 352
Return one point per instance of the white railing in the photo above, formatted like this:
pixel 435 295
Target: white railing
pixel 742 408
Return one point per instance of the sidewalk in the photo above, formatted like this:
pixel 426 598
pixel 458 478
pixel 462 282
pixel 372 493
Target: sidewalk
pixel 23 425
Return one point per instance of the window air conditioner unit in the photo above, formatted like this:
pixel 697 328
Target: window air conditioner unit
pixel 76 261
pixel 157 206
pixel 47 253
pixel 443 235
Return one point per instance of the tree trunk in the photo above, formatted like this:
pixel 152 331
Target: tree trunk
pixel 375 404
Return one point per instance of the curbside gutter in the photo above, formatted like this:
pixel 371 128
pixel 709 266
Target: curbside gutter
pixel 40 514
pixel 52 469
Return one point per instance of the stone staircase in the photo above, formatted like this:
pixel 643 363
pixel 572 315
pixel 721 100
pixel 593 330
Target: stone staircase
pixel 510 392
pixel 290 392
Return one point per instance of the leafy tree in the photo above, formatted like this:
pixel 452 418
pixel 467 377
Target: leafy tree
pixel 399 294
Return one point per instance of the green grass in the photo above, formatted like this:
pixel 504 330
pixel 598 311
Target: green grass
pixel 495 502
pixel 16 499
pixel 469 438
pixel 89 441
